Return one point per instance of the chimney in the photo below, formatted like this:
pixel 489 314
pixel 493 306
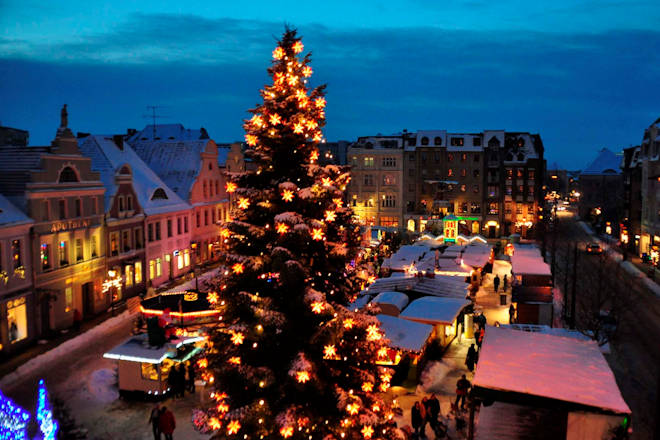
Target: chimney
pixel 118 139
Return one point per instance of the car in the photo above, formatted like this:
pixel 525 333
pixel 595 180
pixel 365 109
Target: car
pixel 594 248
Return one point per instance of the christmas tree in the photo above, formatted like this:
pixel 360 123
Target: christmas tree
pixel 290 360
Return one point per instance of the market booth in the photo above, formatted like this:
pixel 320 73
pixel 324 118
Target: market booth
pixel 391 303
pixel 444 314
pixel 184 308
pixel 144 368
pixel 534 305
pixel 543 386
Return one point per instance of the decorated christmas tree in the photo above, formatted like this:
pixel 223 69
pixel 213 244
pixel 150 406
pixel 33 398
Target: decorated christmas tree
pixel 290 360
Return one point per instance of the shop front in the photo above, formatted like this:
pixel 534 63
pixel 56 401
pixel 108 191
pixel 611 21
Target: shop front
pixel 16 318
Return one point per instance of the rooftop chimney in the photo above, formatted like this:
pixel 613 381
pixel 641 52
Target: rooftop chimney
pixel 118 139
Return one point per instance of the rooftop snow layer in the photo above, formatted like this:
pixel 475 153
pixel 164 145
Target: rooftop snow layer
pixel 10 215
pixel 555 367
pixel 434 310
pixel 107 159
pixel 605 163
pixel 528 260
pixel 437 286
pixel 405 334
pixel 396 299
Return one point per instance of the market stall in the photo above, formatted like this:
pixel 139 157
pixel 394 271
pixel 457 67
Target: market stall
pixel 183 308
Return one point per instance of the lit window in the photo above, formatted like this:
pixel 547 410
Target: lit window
pixel 128 275
pixel 152 269
pixel 180 260
pixel 138 272
pixel 68 299
pixel 17 320
pixel 186 257
pixel 63 253
pixel 16 253
pixel 159 267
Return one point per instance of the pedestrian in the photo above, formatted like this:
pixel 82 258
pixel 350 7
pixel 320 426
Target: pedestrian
pixel 471 358
pixel 425 409
pixel 480 320
pixel 191 378
pixel 171 381
pixel 512 314
pixel 77 319
pixel 416 417
pixel 166 423
pixel 13 332
pixel 181 380
pixel 505 283
pixel 496 283
pixel 462 387
pixel 154 419
pixel 433 411
pixel 479 337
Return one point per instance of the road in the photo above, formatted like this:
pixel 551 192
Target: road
pixel 635 352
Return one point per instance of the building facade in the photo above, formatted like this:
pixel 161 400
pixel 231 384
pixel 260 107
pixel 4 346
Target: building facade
pixel 375 190
pixel 650 156
pixel 631 225
pixel 17 327
pixel 56 187
pixel 601 192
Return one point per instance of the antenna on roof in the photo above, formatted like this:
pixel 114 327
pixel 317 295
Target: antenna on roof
pixel 153 116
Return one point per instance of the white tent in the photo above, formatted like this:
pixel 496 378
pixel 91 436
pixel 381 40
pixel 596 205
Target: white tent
pixel 433 310
pixel 404 334
pixel 390 302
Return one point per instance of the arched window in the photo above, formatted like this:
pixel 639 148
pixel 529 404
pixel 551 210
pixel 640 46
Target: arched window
pixel 125 170
pixel 425 140
pixel 494 142
pixel 159 194
pixel 437 140
pixel 68 175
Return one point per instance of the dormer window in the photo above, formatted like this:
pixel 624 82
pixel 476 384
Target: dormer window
pixel 159 194
pixel 437 140
pixel 68 175
pixel 493 142
pixel 425 140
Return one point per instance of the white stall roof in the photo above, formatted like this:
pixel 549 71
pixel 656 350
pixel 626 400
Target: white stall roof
pixel 405 334
pixel 434 310
pixel 476 255
pixel 439 286
pixel 555 367
pixel 137 349
pixel 406 255
pixel 527 260
pixel 397 299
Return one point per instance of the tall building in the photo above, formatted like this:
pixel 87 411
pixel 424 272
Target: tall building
pixel 650 156
pixel 631 223
pixel 375 189
pixel 491 181
pixel 187 161
pixel 56 187
pixel 601 192
pixel 17 302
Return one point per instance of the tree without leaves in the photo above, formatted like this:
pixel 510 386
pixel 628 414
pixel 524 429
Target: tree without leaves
pixel 290 360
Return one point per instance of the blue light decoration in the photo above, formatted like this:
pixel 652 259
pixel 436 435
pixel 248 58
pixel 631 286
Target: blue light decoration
pixel 47 425
pixel 13 420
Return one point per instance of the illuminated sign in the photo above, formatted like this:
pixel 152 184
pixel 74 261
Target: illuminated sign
pixel 71 224
pixel 190 296
pixel 450 228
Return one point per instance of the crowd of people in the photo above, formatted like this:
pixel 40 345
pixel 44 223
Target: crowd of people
pixel 427 412
pixel 181 379
pixel 162 422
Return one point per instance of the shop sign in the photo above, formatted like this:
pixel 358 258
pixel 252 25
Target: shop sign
pixel 68 225
pixel 190 296
pixel 15 302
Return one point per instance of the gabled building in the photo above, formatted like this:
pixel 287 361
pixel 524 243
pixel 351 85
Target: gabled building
pixel 601 192
pixel 16 294
pixel 631 223
pixel 148 224
pixel 187 162
pixel 56 186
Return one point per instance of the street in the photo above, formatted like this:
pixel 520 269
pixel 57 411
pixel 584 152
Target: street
pixel 634 357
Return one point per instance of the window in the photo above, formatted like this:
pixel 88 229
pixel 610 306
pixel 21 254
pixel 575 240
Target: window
pixel 437 140
pixel 217 187
pixel 212 216
pixel 388 179
pixel 476 157
pixel 137 233
pixel 508 190
pixel 530 174
pixel 206 217
pixel 138 272
pixel 436 156
pixel 157 228
pixel 114 244
pixel 17 320
pixel 519 173
pixel 149 371
pixel 126 240
pixel 179 261
pixel 476 142
pixel 461 207
pixel 411 172
pixel 463 172
pixel 492 190
pixel 16 257
pixel 129 202
pixel 150 232
pixel 475 208
pixel 152 269
pixel 92 240
pixel 507 207
pixel 178 225
pixel 521 189
pixel 389 221
pixel 463 157
pixel 205 190
pixel 389 161
pixel 368 180
pixel 475 172
pixel 169 227
pixel 450 172
pixel 120 203
pixel 450 157
pixel 411 157
pixel 68 175
pixel 425 140
pixel 368 162
pixel 463 188
pixel 423 158
pixel 369 203
pixel 62 208
pixel 159 194
pixel 68 299
pixel 186 257
pixel 456 141
pixel 518 208
pixel 79 250
pixel 530 190
pixel 46 212
pixel 475 188
pixel 509 174
pixel 389 201
pixel 492 208
pixel 63 252
pixel 95 206
pixel 44 256
pixel 159 267
pixel 185 225
pixel 198 218
pixel 128 275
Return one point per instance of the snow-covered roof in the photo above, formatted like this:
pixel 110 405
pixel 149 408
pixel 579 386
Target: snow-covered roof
pixel 108 159
pixel 434 310
pixel 137 349
pixel 402 258
pixel 405 334
pixel 605 163
pixel 547 330
pixel 10 215
pixel 175 156
pixel 555 367
pixel 396 299
pixel 476 254
pixel 527 260
pixel 438 286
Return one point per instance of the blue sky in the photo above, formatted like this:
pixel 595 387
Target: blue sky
pixel 582 73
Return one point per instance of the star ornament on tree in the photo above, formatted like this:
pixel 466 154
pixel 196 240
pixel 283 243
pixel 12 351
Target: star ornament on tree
pixel 237 338
pixel 329 352
pixel 243 203
pixel 367 431
pixel 286 431
pixel 287 195
pixel 282 228
pixel 231 187
pixel 302 376
pixel 233 427
pixel 317 234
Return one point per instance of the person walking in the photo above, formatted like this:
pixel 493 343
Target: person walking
pixel 471 358
pixel 496 283
pixel 191 378
pixel 154 419
pixel 171 381
pixel 417 417
pixel 166 423
pixel 433 411
pixel 505 283
pixel 479 337
pixel 181 380
pixel 462 387
pixel 512 314
pixel 425 410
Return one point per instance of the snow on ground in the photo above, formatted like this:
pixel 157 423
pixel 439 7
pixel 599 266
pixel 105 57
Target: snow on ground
pixel 201 280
